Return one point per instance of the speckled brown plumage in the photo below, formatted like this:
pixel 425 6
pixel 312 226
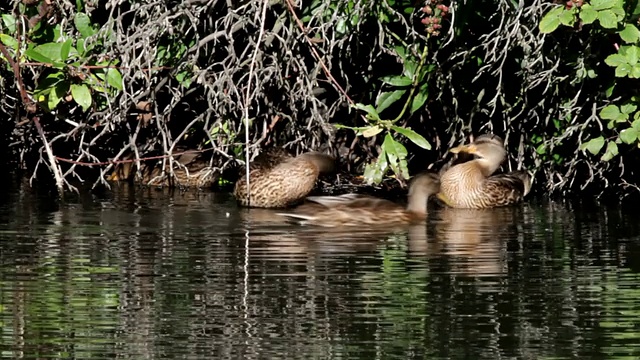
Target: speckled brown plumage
pixel 190 170
pixel 473 185
pixel 278 179
pixel 360 210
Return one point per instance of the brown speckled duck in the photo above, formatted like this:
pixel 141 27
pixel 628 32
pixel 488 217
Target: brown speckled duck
pixel 278 179
pixel 359 210
pixel 472 185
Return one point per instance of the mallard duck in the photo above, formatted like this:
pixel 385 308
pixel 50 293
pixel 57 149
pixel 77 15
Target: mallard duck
pixel 471 184
pixel 354 209
pixel 190 169
pixel 278 179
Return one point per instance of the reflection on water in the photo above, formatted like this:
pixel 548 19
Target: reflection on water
pixel 153 274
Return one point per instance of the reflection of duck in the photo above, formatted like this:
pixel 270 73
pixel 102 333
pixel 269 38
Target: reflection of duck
pixel 278 180
pixel 471 184
pixel 476 239
pixel 354 210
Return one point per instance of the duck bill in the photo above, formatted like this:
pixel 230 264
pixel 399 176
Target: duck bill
pixel 471 149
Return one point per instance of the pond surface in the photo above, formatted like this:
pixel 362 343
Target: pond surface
pixel 142 274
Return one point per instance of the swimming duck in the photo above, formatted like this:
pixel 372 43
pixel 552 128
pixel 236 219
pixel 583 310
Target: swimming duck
pixel 357 210
pixel 278 179
pixel 471 184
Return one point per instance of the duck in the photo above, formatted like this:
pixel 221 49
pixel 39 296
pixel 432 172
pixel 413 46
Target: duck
pixel 471 184
pixel 363 210
pixel 278 180
pixel 190 170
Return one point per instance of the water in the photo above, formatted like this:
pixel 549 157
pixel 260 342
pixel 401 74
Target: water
pixel 141 274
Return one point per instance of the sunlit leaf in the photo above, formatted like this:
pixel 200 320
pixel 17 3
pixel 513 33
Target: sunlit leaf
pixel 418 100
pixel 65 49
pixel 615 60
pixel 83 24
pixel 603 4
pixel 114 78
pixel 630 34
pixel 594 145
pixel 551 20
pixel 81 95
pixel 628 108
pixel 372 131
pixel 33 54
pixel 610 152
pixel 631 53
pixel 587 14
pixel 608 19
pixel 387 99
pixel 372 114
pixel 57 94
pixel 9 41
pixel 610 112
pixel 629 136
pixel 397 80
pixel 567 18
pixel 9 22
pixel 413 136
pixel 393 148
pixel 410 68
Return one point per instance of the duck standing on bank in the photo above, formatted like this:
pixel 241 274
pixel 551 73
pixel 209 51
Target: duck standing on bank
pixel 278 179
pixel 358 210
pixel 472 185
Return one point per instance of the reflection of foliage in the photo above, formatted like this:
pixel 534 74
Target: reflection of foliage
pixel 621 316
pixel 396 298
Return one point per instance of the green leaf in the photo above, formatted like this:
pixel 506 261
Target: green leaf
pixel 114 78
pixel 419 100
pixel 587 14
pixel 636 124
pixel 603 4
pixel 9 41
pixel 52 51
pixel 567 18
pixel 628 108
pixel 623 70
pixel 611 152
pixel 631 53
pixel 393 148
pixel 610 112
pixel 410 68
pixel 65 49
pixel 33 54
pixel 81 95
pixel 608 19
pixel 80 47
pixel 630 34
pixel 398 80
pixel 387 99
pixel 413 136
pixel 83 24
pixel 372 131
pixel 629 136
pixel 57 94
pixel 609 91
pixel 372 114
pixel 9 22
pixel 615 60
pixel 373 173
pixel 635 71
pixel 594 145
pixel 551 20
